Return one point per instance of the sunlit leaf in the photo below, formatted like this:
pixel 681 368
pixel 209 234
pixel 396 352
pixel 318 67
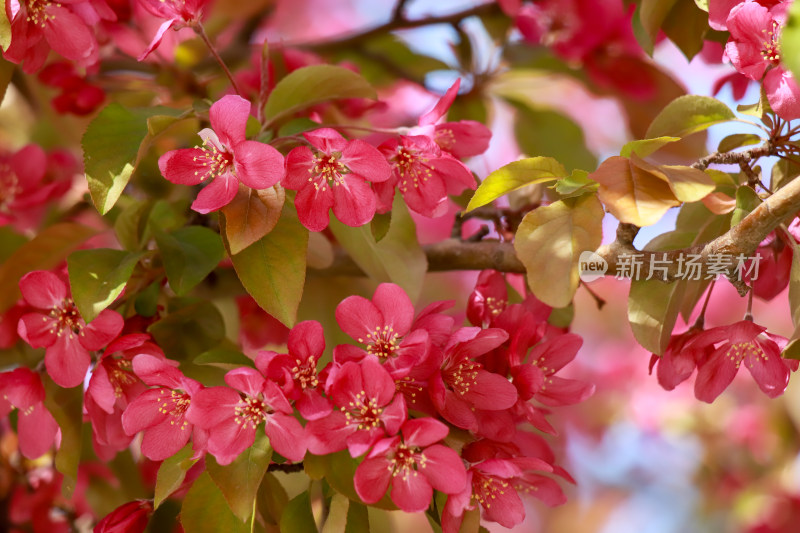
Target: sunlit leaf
pixel 790 40
pixel 239 481
pixel 515 175
pixel 171 474
pixel 205 509
pixel 645 147
pixel 549 242
pixel 746 201
pixel 251 215
pixel 737 140
pixel 689 114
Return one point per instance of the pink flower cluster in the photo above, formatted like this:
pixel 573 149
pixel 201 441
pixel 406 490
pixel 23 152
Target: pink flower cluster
pixel 349 176
pixel 410 391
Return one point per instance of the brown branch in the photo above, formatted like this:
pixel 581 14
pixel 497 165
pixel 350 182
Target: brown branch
pixel 285 468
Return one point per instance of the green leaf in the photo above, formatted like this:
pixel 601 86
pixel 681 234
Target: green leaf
pixel 98 276
pixel 200 325
pixel 224 358
pixel 66 406
pixel 686 25
pixel 790 40
pixel 273 269
pixel 205 509
pixel 794 287
pixel 357 518
pixel 653 308
pixel 397 258
pixel 146 303
pixel 239 481
pixel 746 200
pixel 689 114
pixel 737 140
pixel 44 252
pixel 549 242
pixel 189 255
pixel 297 517
pixel 272 499
pixel 10 242
pixel 652 14
pixel 575 184
pixel 336 522
pixel 171 474
pixel 645 147
pixel 548 133
pixel 312 85
pixel 515 175
pixel 783 171
pixel 5 28
pixel 113 144
pixel 380 225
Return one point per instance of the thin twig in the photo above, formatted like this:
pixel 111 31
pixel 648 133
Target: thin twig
pixel 199 30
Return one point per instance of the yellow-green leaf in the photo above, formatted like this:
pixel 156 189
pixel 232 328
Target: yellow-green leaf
pixel 689 114
pixel 645 147
pixel 549 242
pixel 790 41
pixel 312 85
pixel 97 277
pixel 171 474
pixel 746 201
pixel 239 481
pixel 205 509
pixel 5 27
pixel 515 175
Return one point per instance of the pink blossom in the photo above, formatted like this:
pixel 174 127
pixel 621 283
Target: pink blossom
pixel 226 158
pixel 58 327
pixel 231 416
pixel 383 325
pixel 423 174
pixel 742 342
pixel 678 361
pixel 77 96
pixel 22 389
pixel 413 464
pixel 488 299
pixel 296 372
pixel 40 25
pixel 368 410
pixel 177 14
pixel 161 411
pixel 334 175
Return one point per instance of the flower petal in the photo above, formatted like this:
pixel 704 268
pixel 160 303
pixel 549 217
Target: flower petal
pixel 228 117
pixel 43 289
pixel 372 478
pixel 67 361
pixel 258 165
pixel 217 194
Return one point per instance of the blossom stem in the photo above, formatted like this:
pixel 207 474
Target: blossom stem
pixel 199 30
pixel 749 314
pixel 701 319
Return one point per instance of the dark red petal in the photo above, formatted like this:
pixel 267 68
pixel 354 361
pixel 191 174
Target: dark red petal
pixel 143 412
pixel 561 391
pixel 715 375
pixel 327 140
pixel 298 164
pixel 359 317
pixel 313 206
pixel 769 371
pixel 491 392
pixel 441 107
pixel 246 380
pixel 37 329
pixel 329 434
pixel 306 340
pixel 396 307
pixel 67 34
pixel 156 371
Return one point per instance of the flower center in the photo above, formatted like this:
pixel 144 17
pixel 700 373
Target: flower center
pixel 381 342
pixel 174 403
pixel 37 14
pixel 66 318
pixel 250 411
pixel 9 187
pixel 461 375
pixel 215 161
pixel 305 373
pixel 740 350
pixel 412 169
pixel 771 45
pixel 364 412
pixel 120 375
pixel 495 305
pixel 327 169
pixel 404 460
pixel 486 489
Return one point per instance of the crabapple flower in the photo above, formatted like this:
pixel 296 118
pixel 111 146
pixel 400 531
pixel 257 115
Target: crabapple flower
pixel 160 412
pixel 22 389
pixel 112 387
pixel 754 49
pixel 414 465
pixel 423 174
pixel 225 159
pixel 742 342
pixel 177 14
pixel 37 26
pixel 334 175
pixel 488 299
pixel 368 410
pixel 383 325
pixel 462 139
pixel 57 326
pixel 679 361
pixel 231 416
pixel 296 372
